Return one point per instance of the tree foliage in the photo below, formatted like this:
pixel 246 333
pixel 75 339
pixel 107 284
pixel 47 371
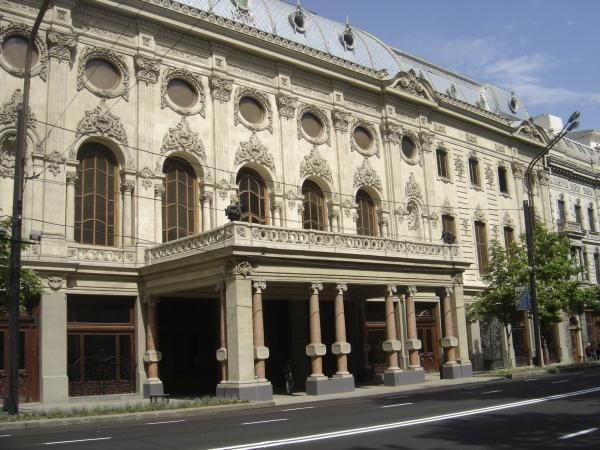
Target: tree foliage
pixel 31 284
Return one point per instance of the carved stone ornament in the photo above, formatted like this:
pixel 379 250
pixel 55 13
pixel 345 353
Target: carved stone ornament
pixel 458 279
pixel 221 89
pixel 287 106
pixel 254 151
pixel 325 136
pixel 366 176
pixel 508 221
pixel 223 188
pixel 433 220
pixel 72 178
pixel 100 121
pixel 260 97
pixel 489 176
pixel 8 112
pixel 348 207
pixel 414 224
pixel 375 145
pixel 122 90
pixel 314 164
pixel 8 153
pixel 341 120
pixel 459 166
pixel 146 175
pixel 426 141
pixel 413 190
pixel 194 80
pixel 60 45
pixel 531 131
pixel 447 208
pixel 55 283
pixel 54 163
pixel 479 215
pixel 393 133
pixel 20 29
pixel 128 187
pixel 293 199
pixel 410 83
pixel 518 169
pixel 465 226
pixel 243 269
pixel 183 139
pixel 147 69
pixel 544 179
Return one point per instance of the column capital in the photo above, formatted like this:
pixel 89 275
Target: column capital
pixel 446 291
pixel 315 288
pixel 390 290
pixel 410 291
pixel 287 106
pixel 159 191
pixel 221 89
pixel 128 187
pixel 341 120
pixel 147 69
pixel 206 197
pixel 259 286
pixel 72 178
pixel 150 300
pixel 341 288
pixel 60 45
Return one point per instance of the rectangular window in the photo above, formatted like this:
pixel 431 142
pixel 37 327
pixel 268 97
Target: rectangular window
pixel 578 214
pixel 482 246
pixel 502 180
pixel 442 163
pixel 92 309
pixel 561 211
pixel 474 172
pixel 509 237
pixel 597 267
pixel 448 226
pixel 591 220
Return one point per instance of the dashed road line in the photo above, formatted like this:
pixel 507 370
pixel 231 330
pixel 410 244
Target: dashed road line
pixel 75 441
pixel 166 421
pixel 399 404
pixel 5 435
pixel 559 381
pixel 297 409
pixel 529 379
pixel 264 421
pixel 579 433
pixel 492 392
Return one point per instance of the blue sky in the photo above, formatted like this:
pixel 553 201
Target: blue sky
pixel 547 51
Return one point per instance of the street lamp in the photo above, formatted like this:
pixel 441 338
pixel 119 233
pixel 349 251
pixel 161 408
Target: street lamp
pixel 528 210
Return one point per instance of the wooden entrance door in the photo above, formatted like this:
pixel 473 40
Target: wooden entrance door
pixel 427 333
pixel 575 355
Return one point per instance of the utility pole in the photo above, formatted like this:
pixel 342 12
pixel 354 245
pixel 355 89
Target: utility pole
pixel 11 404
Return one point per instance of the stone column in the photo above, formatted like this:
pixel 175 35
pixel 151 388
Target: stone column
pixel 159 192
pixel 334 219
pixel 391 345
pixel 222 350
pixel 342 381
pixel 460 330
pixel 450 368
pixel 317 382
pixel 287 106
pixel 127 188
pixel 70 206
pixel 413 344
pixel 276 214
pixel 261 353
pixel 206 201
pixel 153 385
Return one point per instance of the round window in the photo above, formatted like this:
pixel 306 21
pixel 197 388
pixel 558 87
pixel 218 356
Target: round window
pixel 181 93
pixel 251 110
pixel 102 74
pixel 14 49
pixel 408 148
pixel 349 39
pixel 312 125
pixel 363 138
pixel 299 21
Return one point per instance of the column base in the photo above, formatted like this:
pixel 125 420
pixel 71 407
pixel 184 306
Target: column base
pixel 336 385
pixel 153 386
pixel 466 370
pixel 400 378
pixel 55 389
pixel 254 392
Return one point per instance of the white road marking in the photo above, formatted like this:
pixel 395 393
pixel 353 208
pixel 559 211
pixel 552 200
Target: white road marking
pixel 579 433
pixel 530 379
pixel 492 392
pixel 5 435
pixel 77 440
pixel 397 397
pixel 297 409
pixel 167 421
pixel 471 387
pixel 264 421
pixel 399 404
pixel 407 423
pixel 576 373
pixel 560 381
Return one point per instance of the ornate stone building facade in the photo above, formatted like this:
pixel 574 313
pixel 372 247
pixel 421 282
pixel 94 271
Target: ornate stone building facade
pixel 350 160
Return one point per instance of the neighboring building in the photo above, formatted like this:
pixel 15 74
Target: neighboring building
pixel 349 159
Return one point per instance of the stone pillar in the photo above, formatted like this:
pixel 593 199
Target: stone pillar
pixel 153 384
pixel 70 206
pixel 53 342
pixel 241 382
pixel 222 350
pixel 287 105
pixel 206 201
pixel 261 353
pixel 413 344
pixel 276 214
pixel 450 369
pixel 342 381
pixel 334 219
pixel 391 345
pixel 316 383
pixel 159 192
pixel 127 188
pixel 460 330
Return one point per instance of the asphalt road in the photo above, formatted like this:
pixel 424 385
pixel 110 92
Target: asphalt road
pixel 549 411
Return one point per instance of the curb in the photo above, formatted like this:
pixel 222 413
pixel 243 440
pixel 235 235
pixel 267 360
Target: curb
pixel 168 413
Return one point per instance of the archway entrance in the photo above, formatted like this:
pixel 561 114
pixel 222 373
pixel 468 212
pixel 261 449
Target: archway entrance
pixel 427 332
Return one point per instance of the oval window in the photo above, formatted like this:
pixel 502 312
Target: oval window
pixel 14 49
pixel 251 110
pixel 349 40
pixel 181 93
pixel 363 138
pixel 299 21
pixel 102 74
pixel 408 148
pixel 312 125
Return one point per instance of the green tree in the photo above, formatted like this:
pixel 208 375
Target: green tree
pixel 31 284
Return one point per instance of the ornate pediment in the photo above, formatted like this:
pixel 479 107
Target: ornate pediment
pixel 413 190
pixel 410 83
pixel 100 121
pixel 8 112
pixel 314 164
pixel 531 131
pixel 367 176
pixel 183 139
pixel 254 151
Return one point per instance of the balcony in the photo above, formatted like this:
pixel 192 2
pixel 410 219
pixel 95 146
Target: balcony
pixel 570 229
pixel 241 234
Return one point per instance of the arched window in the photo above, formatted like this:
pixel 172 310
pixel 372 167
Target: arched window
pixel 179 201
pixel 365 224
pixel 314 207
pixel 96 196
pixel 253 197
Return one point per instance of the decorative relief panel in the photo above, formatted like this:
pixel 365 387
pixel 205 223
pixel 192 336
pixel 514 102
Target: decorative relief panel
pixel 375 146
pixel 102 122
pixel 508 221
pixel 146 176
pixel 471 138
pixel 260 97
pixel 341 120
pixel 459 166
pixel 221 89
pixel 349 207
pixel 60 45
pixel 325 137
pixel 183 139
pixel 531 131
pixel 426 141
pixel 314 164
pixel 393 132
pixel 287 106
pixel 447 209
pixel 254 151
pixel 366 176
pixel 489 176
pixel 479 215
pixel 20 29
pixel 147 69
pixel 194 80
pixel 410 83
pixel 413 190
pixel 8 112
pixel 223 188
pixel 122 90
pixel 55 163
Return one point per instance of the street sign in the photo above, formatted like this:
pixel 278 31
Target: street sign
pixel 522 298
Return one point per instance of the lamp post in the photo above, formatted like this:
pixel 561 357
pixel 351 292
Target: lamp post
pixel 528 209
